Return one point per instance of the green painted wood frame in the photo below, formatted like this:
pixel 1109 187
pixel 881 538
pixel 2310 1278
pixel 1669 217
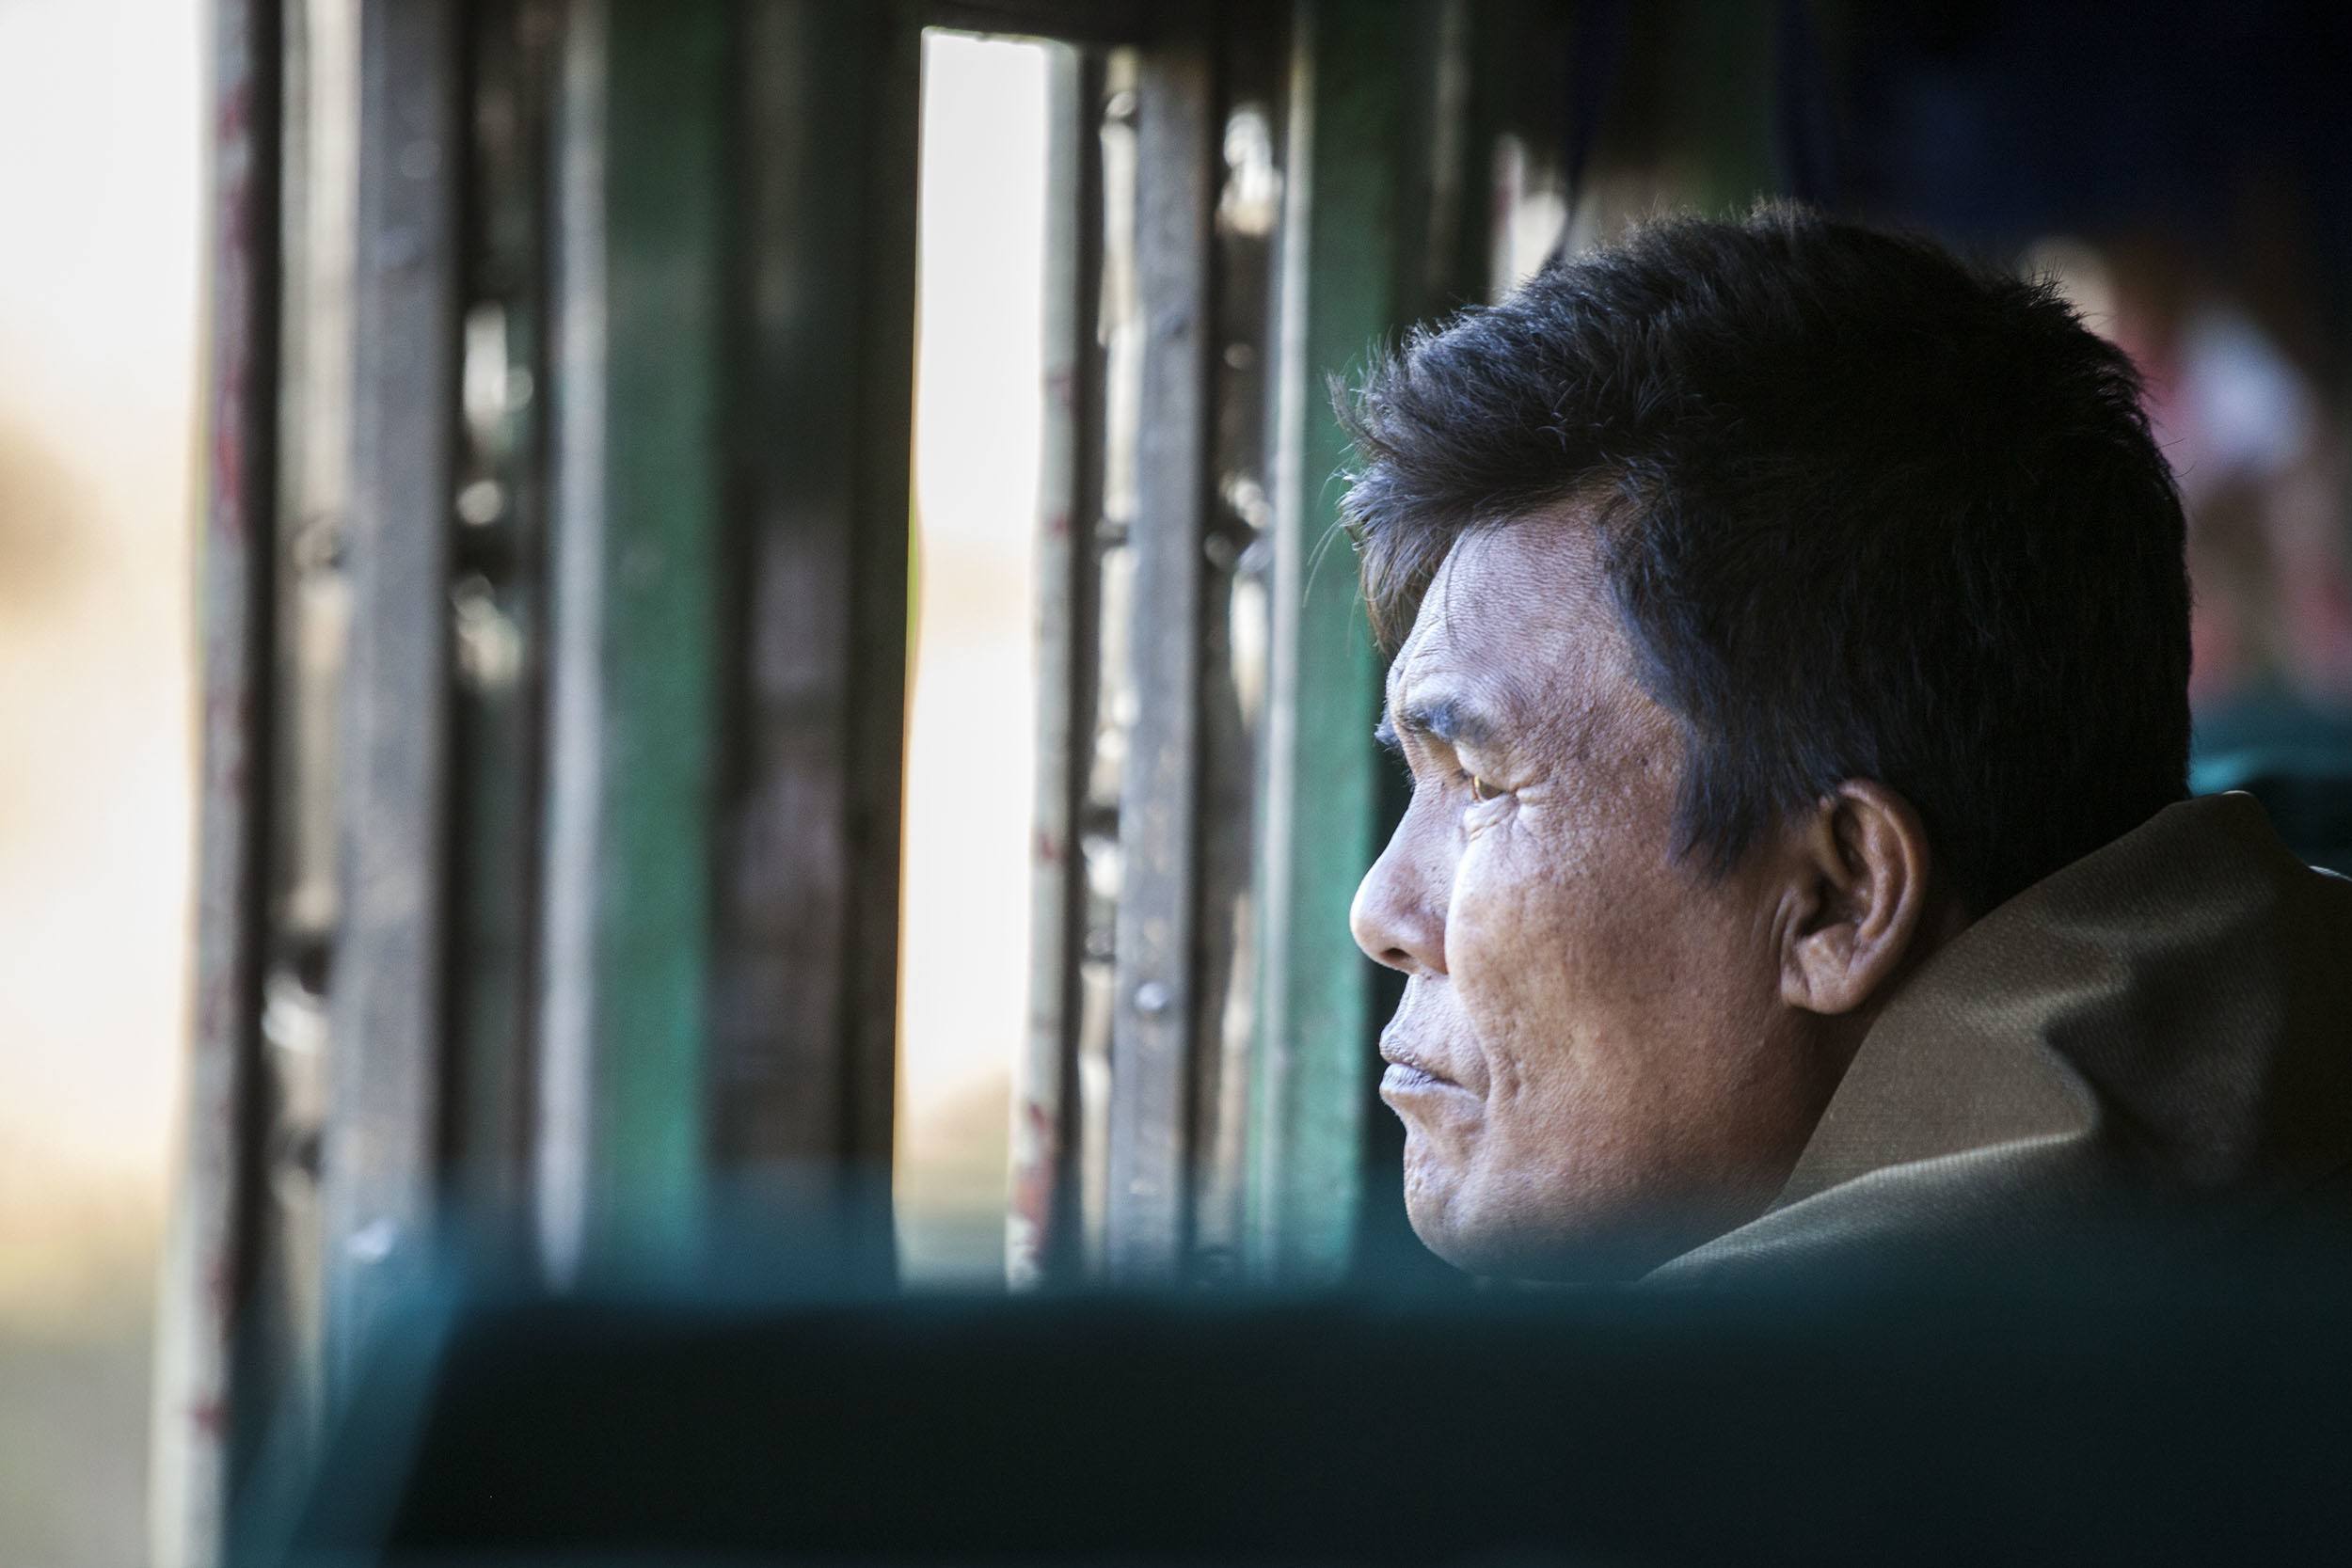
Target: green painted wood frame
pixel 735 360
pixel 1344 251
pixel 639 552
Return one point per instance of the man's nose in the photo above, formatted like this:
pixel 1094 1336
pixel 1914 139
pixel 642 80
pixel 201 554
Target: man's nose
pixel 1398 918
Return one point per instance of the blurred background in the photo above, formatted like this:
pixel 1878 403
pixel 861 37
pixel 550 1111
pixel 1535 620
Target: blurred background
pixel 101 232
pixel 971 945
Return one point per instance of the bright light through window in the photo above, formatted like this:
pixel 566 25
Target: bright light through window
pixel 971 747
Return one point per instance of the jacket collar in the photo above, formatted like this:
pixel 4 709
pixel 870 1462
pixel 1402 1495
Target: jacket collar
pixel 2170 1010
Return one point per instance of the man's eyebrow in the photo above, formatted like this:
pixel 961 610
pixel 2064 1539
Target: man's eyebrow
pixel 1448 719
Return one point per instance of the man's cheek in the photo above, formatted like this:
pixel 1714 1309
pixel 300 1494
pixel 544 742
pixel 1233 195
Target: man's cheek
pixel 1498 920
pixel 1512 954
pixel 1528 871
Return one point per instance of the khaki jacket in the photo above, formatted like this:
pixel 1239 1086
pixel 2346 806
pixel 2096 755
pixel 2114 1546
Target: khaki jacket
pixel 2163 1027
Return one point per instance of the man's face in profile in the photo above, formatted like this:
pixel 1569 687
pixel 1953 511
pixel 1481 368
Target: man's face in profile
pixel 1591 1059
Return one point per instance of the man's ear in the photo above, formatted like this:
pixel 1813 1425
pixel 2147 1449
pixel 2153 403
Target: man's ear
pixel 1857 900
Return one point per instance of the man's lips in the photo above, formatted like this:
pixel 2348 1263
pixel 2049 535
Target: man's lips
pixel 1409 1070
pixel 1404 1078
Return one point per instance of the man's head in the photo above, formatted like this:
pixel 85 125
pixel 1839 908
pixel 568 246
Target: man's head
pixel 1769 600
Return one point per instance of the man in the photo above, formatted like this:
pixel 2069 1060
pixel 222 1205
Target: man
pixel 1790 647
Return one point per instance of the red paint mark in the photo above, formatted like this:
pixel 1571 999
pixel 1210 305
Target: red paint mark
pixel 1048 848
pixel 236 402
pixel 1033 1180
pixel 235 118
pixel 235 309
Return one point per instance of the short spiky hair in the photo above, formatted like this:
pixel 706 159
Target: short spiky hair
pixel 1867 512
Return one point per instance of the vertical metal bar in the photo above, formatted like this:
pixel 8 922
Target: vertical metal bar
pixel 303 877
pixel 1449 166
pixel 778 1071
pixel 1153 1030
pixel 640 487
pixel 1043 1231
pixel 561 1134
pixel 892 90
pixel 1340 263
pixel 497 601
pixel 383 1109
pixel 807 978
pixel 1226 635
pixel 1482 42
pixel 207 1261
pixel 1254 78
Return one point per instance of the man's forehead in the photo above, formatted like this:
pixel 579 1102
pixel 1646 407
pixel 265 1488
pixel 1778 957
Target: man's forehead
pixel 1428 651
pixel 1517 635
pixel 1453 675
pixel 1498 598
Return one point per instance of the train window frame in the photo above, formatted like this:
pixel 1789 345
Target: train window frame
pixel 613 761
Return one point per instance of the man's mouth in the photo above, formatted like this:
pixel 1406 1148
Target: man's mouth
pixel 1408 1071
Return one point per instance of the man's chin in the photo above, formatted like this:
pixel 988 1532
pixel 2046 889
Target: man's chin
pixel 1567 1249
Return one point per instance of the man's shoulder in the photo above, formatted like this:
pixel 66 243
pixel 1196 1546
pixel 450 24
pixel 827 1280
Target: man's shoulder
pixel 2158 1037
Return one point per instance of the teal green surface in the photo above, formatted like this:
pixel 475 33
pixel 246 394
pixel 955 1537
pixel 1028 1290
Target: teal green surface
pixel 1315 1053
pixel 666 281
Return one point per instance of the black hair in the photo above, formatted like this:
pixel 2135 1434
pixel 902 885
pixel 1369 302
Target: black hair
pixel 1868 510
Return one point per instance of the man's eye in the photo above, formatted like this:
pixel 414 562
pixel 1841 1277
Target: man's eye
pixel 1481 790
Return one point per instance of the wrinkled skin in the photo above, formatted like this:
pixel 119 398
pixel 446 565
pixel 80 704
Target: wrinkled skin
pixel 1596 1061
